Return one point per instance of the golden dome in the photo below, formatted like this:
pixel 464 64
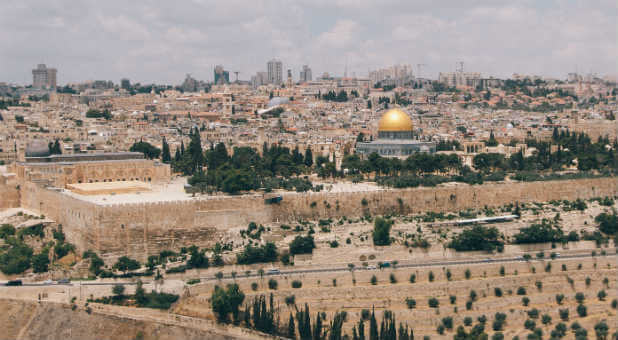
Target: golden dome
pixel 395 120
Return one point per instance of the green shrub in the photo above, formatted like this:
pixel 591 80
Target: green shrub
pixel 297 284
pixel 411 303
pixel 273 284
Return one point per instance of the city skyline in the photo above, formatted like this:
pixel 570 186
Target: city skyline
pixel 161 44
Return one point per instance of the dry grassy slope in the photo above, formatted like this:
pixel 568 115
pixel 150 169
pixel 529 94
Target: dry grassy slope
pixel 353 298
pixel 30 320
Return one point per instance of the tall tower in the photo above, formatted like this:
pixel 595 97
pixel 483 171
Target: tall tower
pixel 275 71
pixel 289 81
pixel 43 77
pixel 305 74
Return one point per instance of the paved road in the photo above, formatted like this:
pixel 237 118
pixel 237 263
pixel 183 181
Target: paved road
pixel 343 269
pixel 413 265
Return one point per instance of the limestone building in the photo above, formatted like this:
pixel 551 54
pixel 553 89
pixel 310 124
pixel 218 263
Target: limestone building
pixel 61 170
pixel 395 137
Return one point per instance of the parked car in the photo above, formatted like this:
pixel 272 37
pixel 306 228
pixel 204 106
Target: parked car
pixel 372 267
pixel 273 271
pixel 48 282
pixel 14 283
pixel 64 281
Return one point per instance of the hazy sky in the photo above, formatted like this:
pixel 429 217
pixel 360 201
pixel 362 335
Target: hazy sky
pixel 161 41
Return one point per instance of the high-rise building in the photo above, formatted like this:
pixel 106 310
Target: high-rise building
pixel 459 78
pixel 125 83
pixel 259 79
pixel 305 74
pixel 221 76
pixel 275 71
pixel 393 75
pixel 43 77
pixel 189 85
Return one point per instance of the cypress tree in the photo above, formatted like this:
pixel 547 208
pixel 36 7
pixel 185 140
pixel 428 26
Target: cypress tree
pixel 165 153
pixel 291 333
pixel 308 157
pixel 317 328
pixel 373 327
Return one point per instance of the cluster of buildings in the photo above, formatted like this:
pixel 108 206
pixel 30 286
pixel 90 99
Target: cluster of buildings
pixel 299 114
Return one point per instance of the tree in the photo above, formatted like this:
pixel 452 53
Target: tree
pixel 140 293
pixel 195 151
pixel 381 231
pixel 226 301
pixel 291 328
pixel 198 258
pixel 602 330
pixel 477 238
pixel 302 245
pixel 40 262
pixel 17 258
pixel 125 264
pixel 165 153
pixel 118 290
pixel 492 140
pixel 150 151
pixel 308 157
pixel 54 148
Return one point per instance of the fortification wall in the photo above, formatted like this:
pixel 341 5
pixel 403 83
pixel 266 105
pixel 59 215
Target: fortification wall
pixel 439 199
pixel 78 218
pixel 9 192
pixel 144 229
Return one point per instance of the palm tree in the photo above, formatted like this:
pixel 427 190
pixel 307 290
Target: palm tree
pixel 234 275
pixel 247 272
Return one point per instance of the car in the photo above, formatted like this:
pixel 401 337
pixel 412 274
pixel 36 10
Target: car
pixel 64 281
pixel 386 264
pixel 14 283
pixel 372 267
pixel 273 271
pixel 48 282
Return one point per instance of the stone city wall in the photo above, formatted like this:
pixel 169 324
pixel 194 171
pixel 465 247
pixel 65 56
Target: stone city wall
pixel 9 192
pixel 144 229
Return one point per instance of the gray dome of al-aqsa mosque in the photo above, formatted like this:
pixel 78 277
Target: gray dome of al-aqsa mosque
pixel 37 148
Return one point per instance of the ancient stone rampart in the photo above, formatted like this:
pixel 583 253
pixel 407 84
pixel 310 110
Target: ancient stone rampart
pixel 143 229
